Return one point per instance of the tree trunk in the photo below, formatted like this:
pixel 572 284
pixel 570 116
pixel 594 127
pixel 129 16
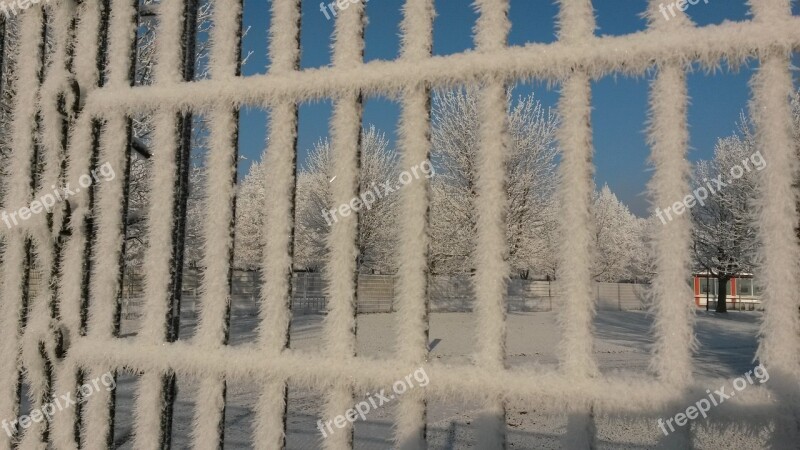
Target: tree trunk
pixel 722 294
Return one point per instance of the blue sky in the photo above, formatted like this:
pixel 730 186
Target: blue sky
pixel 620 103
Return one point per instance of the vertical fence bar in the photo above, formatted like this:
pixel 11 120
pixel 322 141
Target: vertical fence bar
pixel 39 342
pixel 276 291
pixel 32 363
pixel 668 136
pixel 183 163
pixel 111 217
pixel 150 410
pixel 771 86
pixel 19 190
pixel 779 344
pixel 90 417
pixel 341 271
pixel 491 276
pixel 218 226
pixel 66 431
pixel 576 25
pixel 412 276
pixel 575 137
pixel 3 56
pixel 672 298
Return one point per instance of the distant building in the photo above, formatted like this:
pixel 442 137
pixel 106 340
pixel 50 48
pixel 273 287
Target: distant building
pixel 743 293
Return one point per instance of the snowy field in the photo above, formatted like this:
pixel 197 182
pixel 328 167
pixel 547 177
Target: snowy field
pixel 622 343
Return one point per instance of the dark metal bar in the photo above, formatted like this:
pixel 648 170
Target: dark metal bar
pixel 141 148
pixel 66 113
pixel 292 212
pixel 183 163
pixel 3 26
pixel 102 58
pixel 124 212
pixel 63 228
pixel 35 171
pixel 234 176
pixel 230 272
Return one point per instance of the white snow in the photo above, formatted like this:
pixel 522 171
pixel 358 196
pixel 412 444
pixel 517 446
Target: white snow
pixel 622 345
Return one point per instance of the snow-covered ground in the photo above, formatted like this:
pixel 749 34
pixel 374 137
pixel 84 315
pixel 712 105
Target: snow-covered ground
pixel 622 342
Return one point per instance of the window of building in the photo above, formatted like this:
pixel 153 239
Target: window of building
pixel 744 287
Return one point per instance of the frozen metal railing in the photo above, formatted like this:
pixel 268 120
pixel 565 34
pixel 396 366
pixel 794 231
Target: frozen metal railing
pixel 82 275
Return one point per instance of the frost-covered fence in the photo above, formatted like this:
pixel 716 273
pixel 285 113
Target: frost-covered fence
pixel 621 296
pixel 376 294
pixel 73 105
pixel 457 294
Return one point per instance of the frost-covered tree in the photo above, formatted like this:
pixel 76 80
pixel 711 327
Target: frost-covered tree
pixel 195 215
pixel 618 239
pixel 644 261
pixel 310 232
pixel 377 224
pixel 531 181
pixel 724 234
pixel 251 199
pixel 548 263
pixel 137 203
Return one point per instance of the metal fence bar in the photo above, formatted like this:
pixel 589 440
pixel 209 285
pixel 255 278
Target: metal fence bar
pixel 491 34
pixel 633 54
pixel 36 295
pixel 43 345
pixel 277 292
pixel 576 25
pixel 19 189
pixel 779 346
pixel 185 124
pixel 669 139
pixel 151 403
pixel 71 283
pixel 339 329
pixel 413 300
pixel 218 232
pixel 111 214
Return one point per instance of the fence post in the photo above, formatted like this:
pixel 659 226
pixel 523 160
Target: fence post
pixel 619 297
